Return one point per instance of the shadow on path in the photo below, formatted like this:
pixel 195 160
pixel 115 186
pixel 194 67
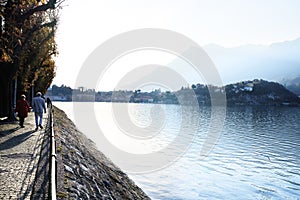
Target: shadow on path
pixel 7 132
pixel 16 140
pixel 41 183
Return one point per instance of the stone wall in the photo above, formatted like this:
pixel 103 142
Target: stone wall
pixel 85 173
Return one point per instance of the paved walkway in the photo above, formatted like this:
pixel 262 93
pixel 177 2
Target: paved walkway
pixel 19 155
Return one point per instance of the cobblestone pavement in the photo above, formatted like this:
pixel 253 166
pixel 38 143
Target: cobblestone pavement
pixel 19 154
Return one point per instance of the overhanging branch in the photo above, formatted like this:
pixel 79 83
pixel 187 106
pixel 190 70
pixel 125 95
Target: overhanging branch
pixel 44 7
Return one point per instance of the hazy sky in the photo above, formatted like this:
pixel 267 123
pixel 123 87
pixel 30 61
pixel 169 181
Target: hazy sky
pixel 84 25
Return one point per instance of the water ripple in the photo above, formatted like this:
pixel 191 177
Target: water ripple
pixel 257 157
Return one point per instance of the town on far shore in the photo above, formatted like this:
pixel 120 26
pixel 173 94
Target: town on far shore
pixel 253 92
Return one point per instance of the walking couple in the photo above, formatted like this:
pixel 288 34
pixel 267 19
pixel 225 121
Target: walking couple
pixel 38 105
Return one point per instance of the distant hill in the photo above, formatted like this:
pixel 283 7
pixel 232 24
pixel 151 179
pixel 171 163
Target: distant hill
pixel 260 92
pixel 272 62
pixel 292 84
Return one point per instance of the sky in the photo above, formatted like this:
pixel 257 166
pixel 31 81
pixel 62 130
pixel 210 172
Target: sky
pixel 85 26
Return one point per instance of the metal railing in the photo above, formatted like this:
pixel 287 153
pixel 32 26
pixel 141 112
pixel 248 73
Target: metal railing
pixel 52 156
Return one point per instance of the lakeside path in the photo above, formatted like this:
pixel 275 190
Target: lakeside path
pixel 20 150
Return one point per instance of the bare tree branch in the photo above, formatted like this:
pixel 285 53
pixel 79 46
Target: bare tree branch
pixel 43 7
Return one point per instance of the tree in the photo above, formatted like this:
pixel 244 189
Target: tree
pixel 27 47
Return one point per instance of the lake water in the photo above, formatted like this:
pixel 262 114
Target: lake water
pixel 256 156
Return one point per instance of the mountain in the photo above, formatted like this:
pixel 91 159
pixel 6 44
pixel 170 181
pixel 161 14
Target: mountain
pixel 291 81
pixel 272 62
pixel 292 84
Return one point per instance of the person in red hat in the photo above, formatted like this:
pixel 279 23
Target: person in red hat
pixel 22 109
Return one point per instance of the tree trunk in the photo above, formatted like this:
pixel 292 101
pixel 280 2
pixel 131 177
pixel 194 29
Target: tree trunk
pixel 6 91
pixel 4 85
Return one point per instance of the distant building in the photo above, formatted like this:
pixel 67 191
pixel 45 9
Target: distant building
pixel 248 89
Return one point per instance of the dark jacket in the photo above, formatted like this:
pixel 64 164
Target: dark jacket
pixel 22 108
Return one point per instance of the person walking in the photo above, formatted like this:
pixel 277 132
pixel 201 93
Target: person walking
pixel 22 109
pixel 38 105
pixel 48 102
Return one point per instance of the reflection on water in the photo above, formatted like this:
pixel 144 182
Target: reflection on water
pixel 256 157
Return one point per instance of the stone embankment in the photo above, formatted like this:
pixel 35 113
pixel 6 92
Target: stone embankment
pixel 85 173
